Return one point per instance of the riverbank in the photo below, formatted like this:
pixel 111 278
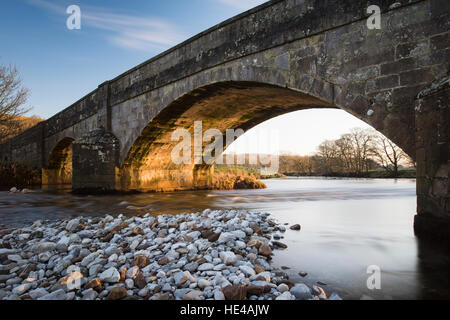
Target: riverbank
pixel 223 254
pixel 375 174
pixel 229 178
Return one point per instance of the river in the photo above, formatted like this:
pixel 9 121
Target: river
pixel 347 226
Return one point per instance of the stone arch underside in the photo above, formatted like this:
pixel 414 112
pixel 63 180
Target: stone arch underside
pixel 59 166
pixel 227 105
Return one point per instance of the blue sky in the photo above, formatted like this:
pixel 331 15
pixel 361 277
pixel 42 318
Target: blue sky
pixel 60 65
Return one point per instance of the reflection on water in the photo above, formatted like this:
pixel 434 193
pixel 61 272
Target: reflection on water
pixel 347 226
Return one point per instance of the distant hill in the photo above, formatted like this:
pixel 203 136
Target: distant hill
pixel 18 125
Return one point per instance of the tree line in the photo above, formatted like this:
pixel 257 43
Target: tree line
pixel 354 154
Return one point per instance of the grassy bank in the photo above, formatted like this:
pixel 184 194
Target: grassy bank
pixel 230 178
pixel 374 174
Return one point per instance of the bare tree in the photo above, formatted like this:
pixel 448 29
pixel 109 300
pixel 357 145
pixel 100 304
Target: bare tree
pixel 328 152
pixel 13 96
pixel 389 155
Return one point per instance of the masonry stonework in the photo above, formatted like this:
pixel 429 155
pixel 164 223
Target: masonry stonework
pixel 433 160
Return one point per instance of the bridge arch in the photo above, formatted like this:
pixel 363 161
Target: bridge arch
pixel 222 105
pixel 58 170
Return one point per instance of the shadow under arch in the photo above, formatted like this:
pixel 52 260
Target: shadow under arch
pixel 243 105
pixel 58 172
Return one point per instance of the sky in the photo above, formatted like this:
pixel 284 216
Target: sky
pixel 60 66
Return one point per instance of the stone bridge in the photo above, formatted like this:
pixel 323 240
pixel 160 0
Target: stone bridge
pixel 282 56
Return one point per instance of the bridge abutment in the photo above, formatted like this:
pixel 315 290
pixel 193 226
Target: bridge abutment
pixel 433 161
pixel 95 160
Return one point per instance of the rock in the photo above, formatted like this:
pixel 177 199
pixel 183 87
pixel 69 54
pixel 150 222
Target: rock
pixel 57 295
pixel 143 292
pixel 203 283
pixel 191 267
pixel 95 284
pixel 160 296
pixel 129 283
pixel 134 244
pixel 89 259
pixel 225 237
pixel 279 244
pixel 90 294
pixel 301 292
pixel 13 190
pixel 257 290
pixel 228 257
pixel 303 274
pixel 25 191
pixel 239 234
pixel 15 257
pixel 6 251
pixel 95 269
pixel 19 290
pixel 193 295
pixel 111 275
pixel 44 247
pixel 13 281
pixel 214 237
pixel 137 231
pixel 296 227
pixel 112 250
pixel 335 296
pixel 218 295
pixel 259 269
pixel 319 292
pixel 117 293
pixel 38 293
pixel 265 250
pixel 6 277
pixel 72 225
pixel 140 281
pixel 45 256
pixel 286 296
pixel 24 272
pixel 248 271
pixel 235 293
pixel 141 261
pixel 163 261
pixel 263 276
pixel 283 288
pixel 206 267
pixel 181 277
pixel 133 272
pixel 61 247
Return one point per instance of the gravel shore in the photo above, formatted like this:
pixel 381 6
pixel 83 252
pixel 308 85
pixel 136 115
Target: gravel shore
pixel 212 255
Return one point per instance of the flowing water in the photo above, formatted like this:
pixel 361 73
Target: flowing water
pixel 348 225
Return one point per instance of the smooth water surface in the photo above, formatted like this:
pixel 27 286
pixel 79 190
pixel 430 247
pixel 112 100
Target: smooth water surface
pixel 347 226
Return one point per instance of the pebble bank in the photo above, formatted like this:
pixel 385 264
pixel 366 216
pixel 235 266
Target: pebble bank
pixel 210 255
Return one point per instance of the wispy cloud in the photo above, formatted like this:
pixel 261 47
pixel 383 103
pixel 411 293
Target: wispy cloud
pixel 242 4
pixel 136 32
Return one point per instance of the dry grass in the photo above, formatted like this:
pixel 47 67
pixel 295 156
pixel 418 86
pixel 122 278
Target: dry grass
pixel 233 179
pixel 16 126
